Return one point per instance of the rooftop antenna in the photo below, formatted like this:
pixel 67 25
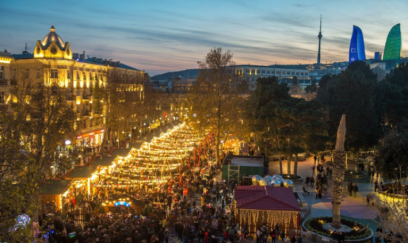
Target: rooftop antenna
pixel 320 39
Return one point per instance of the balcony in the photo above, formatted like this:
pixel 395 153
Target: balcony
pixel 3 82
pixel 85 97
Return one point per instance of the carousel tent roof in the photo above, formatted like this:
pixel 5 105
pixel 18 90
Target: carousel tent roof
pixel 55 186
pixel 266 198
pixel 82 172
pixel 247 161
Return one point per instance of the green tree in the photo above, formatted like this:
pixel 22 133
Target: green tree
pixel 282 124
pixel 215 97
pixel 353 94
pixel 392 158
pixel 260 114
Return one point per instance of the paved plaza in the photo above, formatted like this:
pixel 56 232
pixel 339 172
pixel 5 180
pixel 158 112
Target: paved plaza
pixel 352 207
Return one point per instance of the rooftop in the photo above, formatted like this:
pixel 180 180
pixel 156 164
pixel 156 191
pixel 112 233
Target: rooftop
pixel 82 172
pixel 100 61
pixel 266 198
pixel 247 161
pixel 55 186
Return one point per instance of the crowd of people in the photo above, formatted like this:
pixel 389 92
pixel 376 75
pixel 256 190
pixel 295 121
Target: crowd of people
pixel 161 213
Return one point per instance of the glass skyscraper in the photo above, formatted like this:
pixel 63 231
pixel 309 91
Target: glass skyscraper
pixel 392 50
pixel 357 49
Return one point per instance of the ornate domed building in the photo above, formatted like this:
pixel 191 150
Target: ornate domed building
pixel 52 46
pixel 53 63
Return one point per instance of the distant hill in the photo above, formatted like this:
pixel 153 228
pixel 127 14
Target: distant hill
pixel 187 74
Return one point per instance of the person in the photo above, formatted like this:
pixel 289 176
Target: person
pixel 368 199
pixel 245 230
pixel 166 236
pixel 231 234
pixel 161 236
pixel 284 239
pixel 350 188
pixel 355 189
pixel 312 181
pixel 299 239
pixel 307 180
pixel 258 236
pixel 273 236
pixel 315 158
pixel 375 186
pixel 293 239
pixel 304 190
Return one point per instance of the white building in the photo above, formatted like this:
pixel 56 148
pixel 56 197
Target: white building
pixel 283 73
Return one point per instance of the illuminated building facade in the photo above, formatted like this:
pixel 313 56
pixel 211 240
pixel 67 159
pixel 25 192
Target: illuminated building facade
pixel 5 60
pixel 53 63
pixel 357 49
pixel 392 50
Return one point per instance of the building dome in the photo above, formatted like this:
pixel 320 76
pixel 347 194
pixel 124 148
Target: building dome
pixel 52 46
pixel 52 36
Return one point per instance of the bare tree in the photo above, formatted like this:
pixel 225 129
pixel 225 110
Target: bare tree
pixel 39 121
pixel 216 95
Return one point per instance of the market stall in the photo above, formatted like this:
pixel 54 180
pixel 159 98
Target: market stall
pixel 255 205
pixel 53 191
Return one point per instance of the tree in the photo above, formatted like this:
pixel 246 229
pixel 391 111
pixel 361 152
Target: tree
pixel 215 96
pixel 393 217
pixel 311 88
pixel 283 124
pixel 39 121
pixel 121 98
pixel 260 116
pixel 353 94
pixel 392 157
pixel 294 88
pixel 392 96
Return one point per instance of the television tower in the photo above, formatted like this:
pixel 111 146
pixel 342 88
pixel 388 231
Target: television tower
pixel 320 40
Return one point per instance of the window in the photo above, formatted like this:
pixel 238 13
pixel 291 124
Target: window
pixel 54 73
pixel 268 72
pixel 278 72
pixel 83 75
pixel 1 72
pixel 27 73
pixel 262 71
pixel 78 75
pixel 90 76
pixel 68 75
pixel 2 98
pixel 38 73
pixel 15 73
